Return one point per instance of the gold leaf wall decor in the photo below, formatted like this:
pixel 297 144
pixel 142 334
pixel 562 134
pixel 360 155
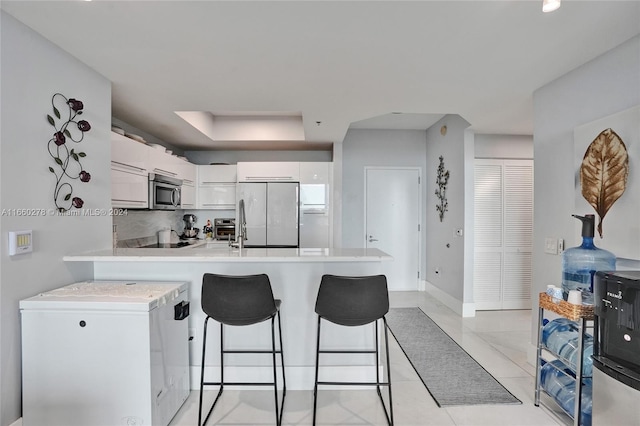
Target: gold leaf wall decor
pixel 603 173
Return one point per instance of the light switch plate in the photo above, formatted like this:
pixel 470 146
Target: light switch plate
pixel 20 242
pixel 551 245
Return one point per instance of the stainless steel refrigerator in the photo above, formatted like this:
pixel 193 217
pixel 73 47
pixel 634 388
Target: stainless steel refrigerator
pixel 272 213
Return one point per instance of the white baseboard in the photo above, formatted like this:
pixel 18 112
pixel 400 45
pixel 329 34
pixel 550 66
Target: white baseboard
pixel 465 310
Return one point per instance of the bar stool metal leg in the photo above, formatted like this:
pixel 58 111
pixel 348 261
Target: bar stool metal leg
pixel 315 383
pixel 284 379
pixel 386 342
pixel 273 351
pixel 241 301
pixel 387 412
pixel 204 340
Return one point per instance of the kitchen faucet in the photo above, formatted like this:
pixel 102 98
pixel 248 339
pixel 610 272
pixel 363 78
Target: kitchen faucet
pixel 241 238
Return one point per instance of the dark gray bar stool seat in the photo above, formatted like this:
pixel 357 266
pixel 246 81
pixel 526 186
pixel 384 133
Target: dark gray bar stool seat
pixel 354 301
pixel 238 301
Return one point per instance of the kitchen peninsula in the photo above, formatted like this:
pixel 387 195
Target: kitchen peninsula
pixel 295 277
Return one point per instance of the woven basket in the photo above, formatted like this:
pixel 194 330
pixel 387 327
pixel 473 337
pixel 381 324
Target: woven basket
pixel 566 309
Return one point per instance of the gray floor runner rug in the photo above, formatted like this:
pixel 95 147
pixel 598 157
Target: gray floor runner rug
pixel 451 375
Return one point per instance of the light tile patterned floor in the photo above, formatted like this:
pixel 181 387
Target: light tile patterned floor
pixel 498 340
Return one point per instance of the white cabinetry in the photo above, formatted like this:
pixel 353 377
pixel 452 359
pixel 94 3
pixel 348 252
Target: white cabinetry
pixel 315 172
pixel 129 176
pixel 315 206
pixel 128 152
pixel 217 187
pixel 131 163
pixel 188 174
pixel 165 164
pixel 188 196
pixel 269 171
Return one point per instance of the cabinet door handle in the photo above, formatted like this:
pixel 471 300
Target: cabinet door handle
pixel 269 177
pixel 129 201
pixel 128 166
pixel 206 182
pixel 165 172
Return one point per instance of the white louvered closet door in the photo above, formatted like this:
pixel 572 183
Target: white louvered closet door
pixel 503 233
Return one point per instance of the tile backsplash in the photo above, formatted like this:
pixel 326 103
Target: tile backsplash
pixel 137 224
pixel 142 226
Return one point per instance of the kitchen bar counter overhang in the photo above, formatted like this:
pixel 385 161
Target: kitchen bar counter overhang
pixel 200 253
pixel 295 276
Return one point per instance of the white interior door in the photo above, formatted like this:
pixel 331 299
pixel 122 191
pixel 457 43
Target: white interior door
pixel 503 223
pixel 392 222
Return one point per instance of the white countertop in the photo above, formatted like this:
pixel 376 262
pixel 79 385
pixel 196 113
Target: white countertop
pixel 218 253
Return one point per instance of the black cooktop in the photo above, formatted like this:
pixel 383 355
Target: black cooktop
pixel 168 245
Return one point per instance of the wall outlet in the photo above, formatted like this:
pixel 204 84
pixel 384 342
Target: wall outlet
pixel 550 245
pixel 560 245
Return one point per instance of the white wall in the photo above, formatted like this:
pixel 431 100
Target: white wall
pixel 33 69
pixel 450 261
pixel 360 148
pixel 503 146
pixel 601 87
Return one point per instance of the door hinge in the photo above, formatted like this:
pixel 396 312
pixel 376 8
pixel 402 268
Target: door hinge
pixel 418 227
pixel 418 180
pixel 418 274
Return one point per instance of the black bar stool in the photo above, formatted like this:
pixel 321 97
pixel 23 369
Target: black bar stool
pixel 354 301
pixel 240 300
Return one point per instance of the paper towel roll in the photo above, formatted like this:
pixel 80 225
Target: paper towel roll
pixel 164 236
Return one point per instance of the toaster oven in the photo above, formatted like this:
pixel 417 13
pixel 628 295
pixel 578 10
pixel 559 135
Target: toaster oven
pixel 224 229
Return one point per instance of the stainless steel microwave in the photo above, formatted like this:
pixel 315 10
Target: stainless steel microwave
pixel 164 192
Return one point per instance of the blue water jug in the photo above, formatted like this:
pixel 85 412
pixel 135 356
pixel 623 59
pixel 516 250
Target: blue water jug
pixel 551 326
pixel 558 341
pixel 570 353
pixel 555 376
pixel 567 397
pixel 579 264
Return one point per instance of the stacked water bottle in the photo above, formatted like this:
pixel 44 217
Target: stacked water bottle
pixel 558 377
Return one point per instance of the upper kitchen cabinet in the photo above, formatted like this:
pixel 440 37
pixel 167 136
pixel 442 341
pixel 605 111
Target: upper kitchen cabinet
pixel 269 171
pixel 129 176
pixel 217 173
pixel 315 172
pixel 217 187
pixel 129 153
pixel 163 163
pixel 188 174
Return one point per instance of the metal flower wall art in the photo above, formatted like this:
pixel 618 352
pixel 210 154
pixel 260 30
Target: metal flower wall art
pixel 68 161
pixel 604 172
pixel 441 192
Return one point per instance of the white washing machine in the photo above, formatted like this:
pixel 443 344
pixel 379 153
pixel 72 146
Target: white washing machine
pixel 105 353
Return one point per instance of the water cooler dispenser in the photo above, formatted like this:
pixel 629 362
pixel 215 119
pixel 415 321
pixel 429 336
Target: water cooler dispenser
pixel 616 356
